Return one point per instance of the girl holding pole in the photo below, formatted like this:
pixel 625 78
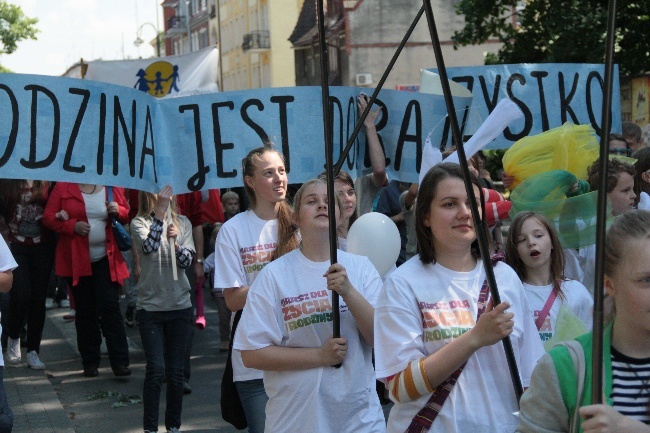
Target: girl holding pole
pixel 286 331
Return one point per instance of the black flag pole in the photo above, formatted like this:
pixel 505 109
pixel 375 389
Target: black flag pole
pixel 375 93
pixel 478 222
pixel 597 348
pixel 329 155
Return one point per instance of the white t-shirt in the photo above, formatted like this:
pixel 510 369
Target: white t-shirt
pixel 422 308
pixel 644 201
pixel 580 265
pixel 244 246
pixel 97 215
pixel 289 306
pixel 7 263
pixel 577 298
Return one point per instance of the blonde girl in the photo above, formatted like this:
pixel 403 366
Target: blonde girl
pixel 246 243
pixel 286 331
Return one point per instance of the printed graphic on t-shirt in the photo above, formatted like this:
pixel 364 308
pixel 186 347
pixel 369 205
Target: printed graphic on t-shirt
pixel 254 258
pixel 546 331
pixel 307 309
pixel 445 320
pixel 26 219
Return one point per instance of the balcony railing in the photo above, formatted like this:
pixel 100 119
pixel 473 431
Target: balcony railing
pixel 175 25
pixel 258 40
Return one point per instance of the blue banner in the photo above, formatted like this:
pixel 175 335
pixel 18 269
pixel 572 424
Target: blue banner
pixel 549 94
pixel 63 129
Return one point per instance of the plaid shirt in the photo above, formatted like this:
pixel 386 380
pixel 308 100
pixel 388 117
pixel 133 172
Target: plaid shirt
pixel 152 243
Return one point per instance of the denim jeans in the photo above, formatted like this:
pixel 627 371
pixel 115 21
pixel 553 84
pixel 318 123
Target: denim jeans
pixel 6 415
pixel 164 338
pixel 253 399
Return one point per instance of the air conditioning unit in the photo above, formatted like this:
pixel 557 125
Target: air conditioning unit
pixel 364 79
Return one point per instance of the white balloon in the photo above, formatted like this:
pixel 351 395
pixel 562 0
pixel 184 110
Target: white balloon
pixel 375 236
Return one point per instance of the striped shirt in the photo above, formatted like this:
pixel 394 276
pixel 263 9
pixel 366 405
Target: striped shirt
pixel 631 386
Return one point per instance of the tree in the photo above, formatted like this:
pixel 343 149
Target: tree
pixel 14 27
pixel 558 31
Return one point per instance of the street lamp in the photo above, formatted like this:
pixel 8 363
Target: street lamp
pixel 139 41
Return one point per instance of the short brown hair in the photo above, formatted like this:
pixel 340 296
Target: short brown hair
pixel 614 168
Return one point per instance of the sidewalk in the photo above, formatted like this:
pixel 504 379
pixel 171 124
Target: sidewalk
pixel 59 399
pixel 34 402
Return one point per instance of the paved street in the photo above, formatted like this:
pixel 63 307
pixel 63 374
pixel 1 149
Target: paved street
pixel 61 400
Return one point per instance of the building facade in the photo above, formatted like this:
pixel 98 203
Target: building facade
pixel 363 35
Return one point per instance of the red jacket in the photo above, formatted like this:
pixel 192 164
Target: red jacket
pixel 73 251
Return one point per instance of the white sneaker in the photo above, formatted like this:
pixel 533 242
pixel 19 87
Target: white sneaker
pixel 13 351
pixel 34 362
pixel 49 303
pixel 64 303
pixel 173 430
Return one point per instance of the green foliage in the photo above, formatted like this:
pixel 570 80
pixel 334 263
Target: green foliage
pixel 4 70
pixel 558 31
pixel 493 162
pixel 14 27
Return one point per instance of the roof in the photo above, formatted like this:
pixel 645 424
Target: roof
pixel 306 31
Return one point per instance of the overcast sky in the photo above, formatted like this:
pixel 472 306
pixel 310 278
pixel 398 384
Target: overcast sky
pixel 88 29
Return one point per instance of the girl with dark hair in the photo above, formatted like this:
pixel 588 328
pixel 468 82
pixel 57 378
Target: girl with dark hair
pixel 286 331
pixel 534 251
pixel 344 188
pixel 642 180
pixel 246 243
pixel 22 204
pixel 559 397
pixel 438 334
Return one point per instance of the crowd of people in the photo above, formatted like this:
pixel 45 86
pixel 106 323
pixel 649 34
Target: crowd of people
pixel 424 339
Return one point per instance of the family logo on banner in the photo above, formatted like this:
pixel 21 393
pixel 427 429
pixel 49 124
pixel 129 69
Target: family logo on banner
pixel 161 77
pixel 548 94
pixel 64 129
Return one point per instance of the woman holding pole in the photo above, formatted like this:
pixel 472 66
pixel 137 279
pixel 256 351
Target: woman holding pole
pixel 436 329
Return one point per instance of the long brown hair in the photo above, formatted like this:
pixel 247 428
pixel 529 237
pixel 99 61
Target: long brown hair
pixel 287 230
pixel 344 177
pixel 426 195
pixel 11 193
pixel 557 254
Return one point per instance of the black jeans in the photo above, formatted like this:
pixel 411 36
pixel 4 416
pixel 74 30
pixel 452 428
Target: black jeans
pixel 96 303
pixel 29 291
pixel 164 337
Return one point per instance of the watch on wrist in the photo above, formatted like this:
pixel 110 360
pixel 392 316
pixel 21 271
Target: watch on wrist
pixel 200 261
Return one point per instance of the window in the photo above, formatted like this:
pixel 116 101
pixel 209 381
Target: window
pixel 266 75
pixel 203 38
pixel 264 17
